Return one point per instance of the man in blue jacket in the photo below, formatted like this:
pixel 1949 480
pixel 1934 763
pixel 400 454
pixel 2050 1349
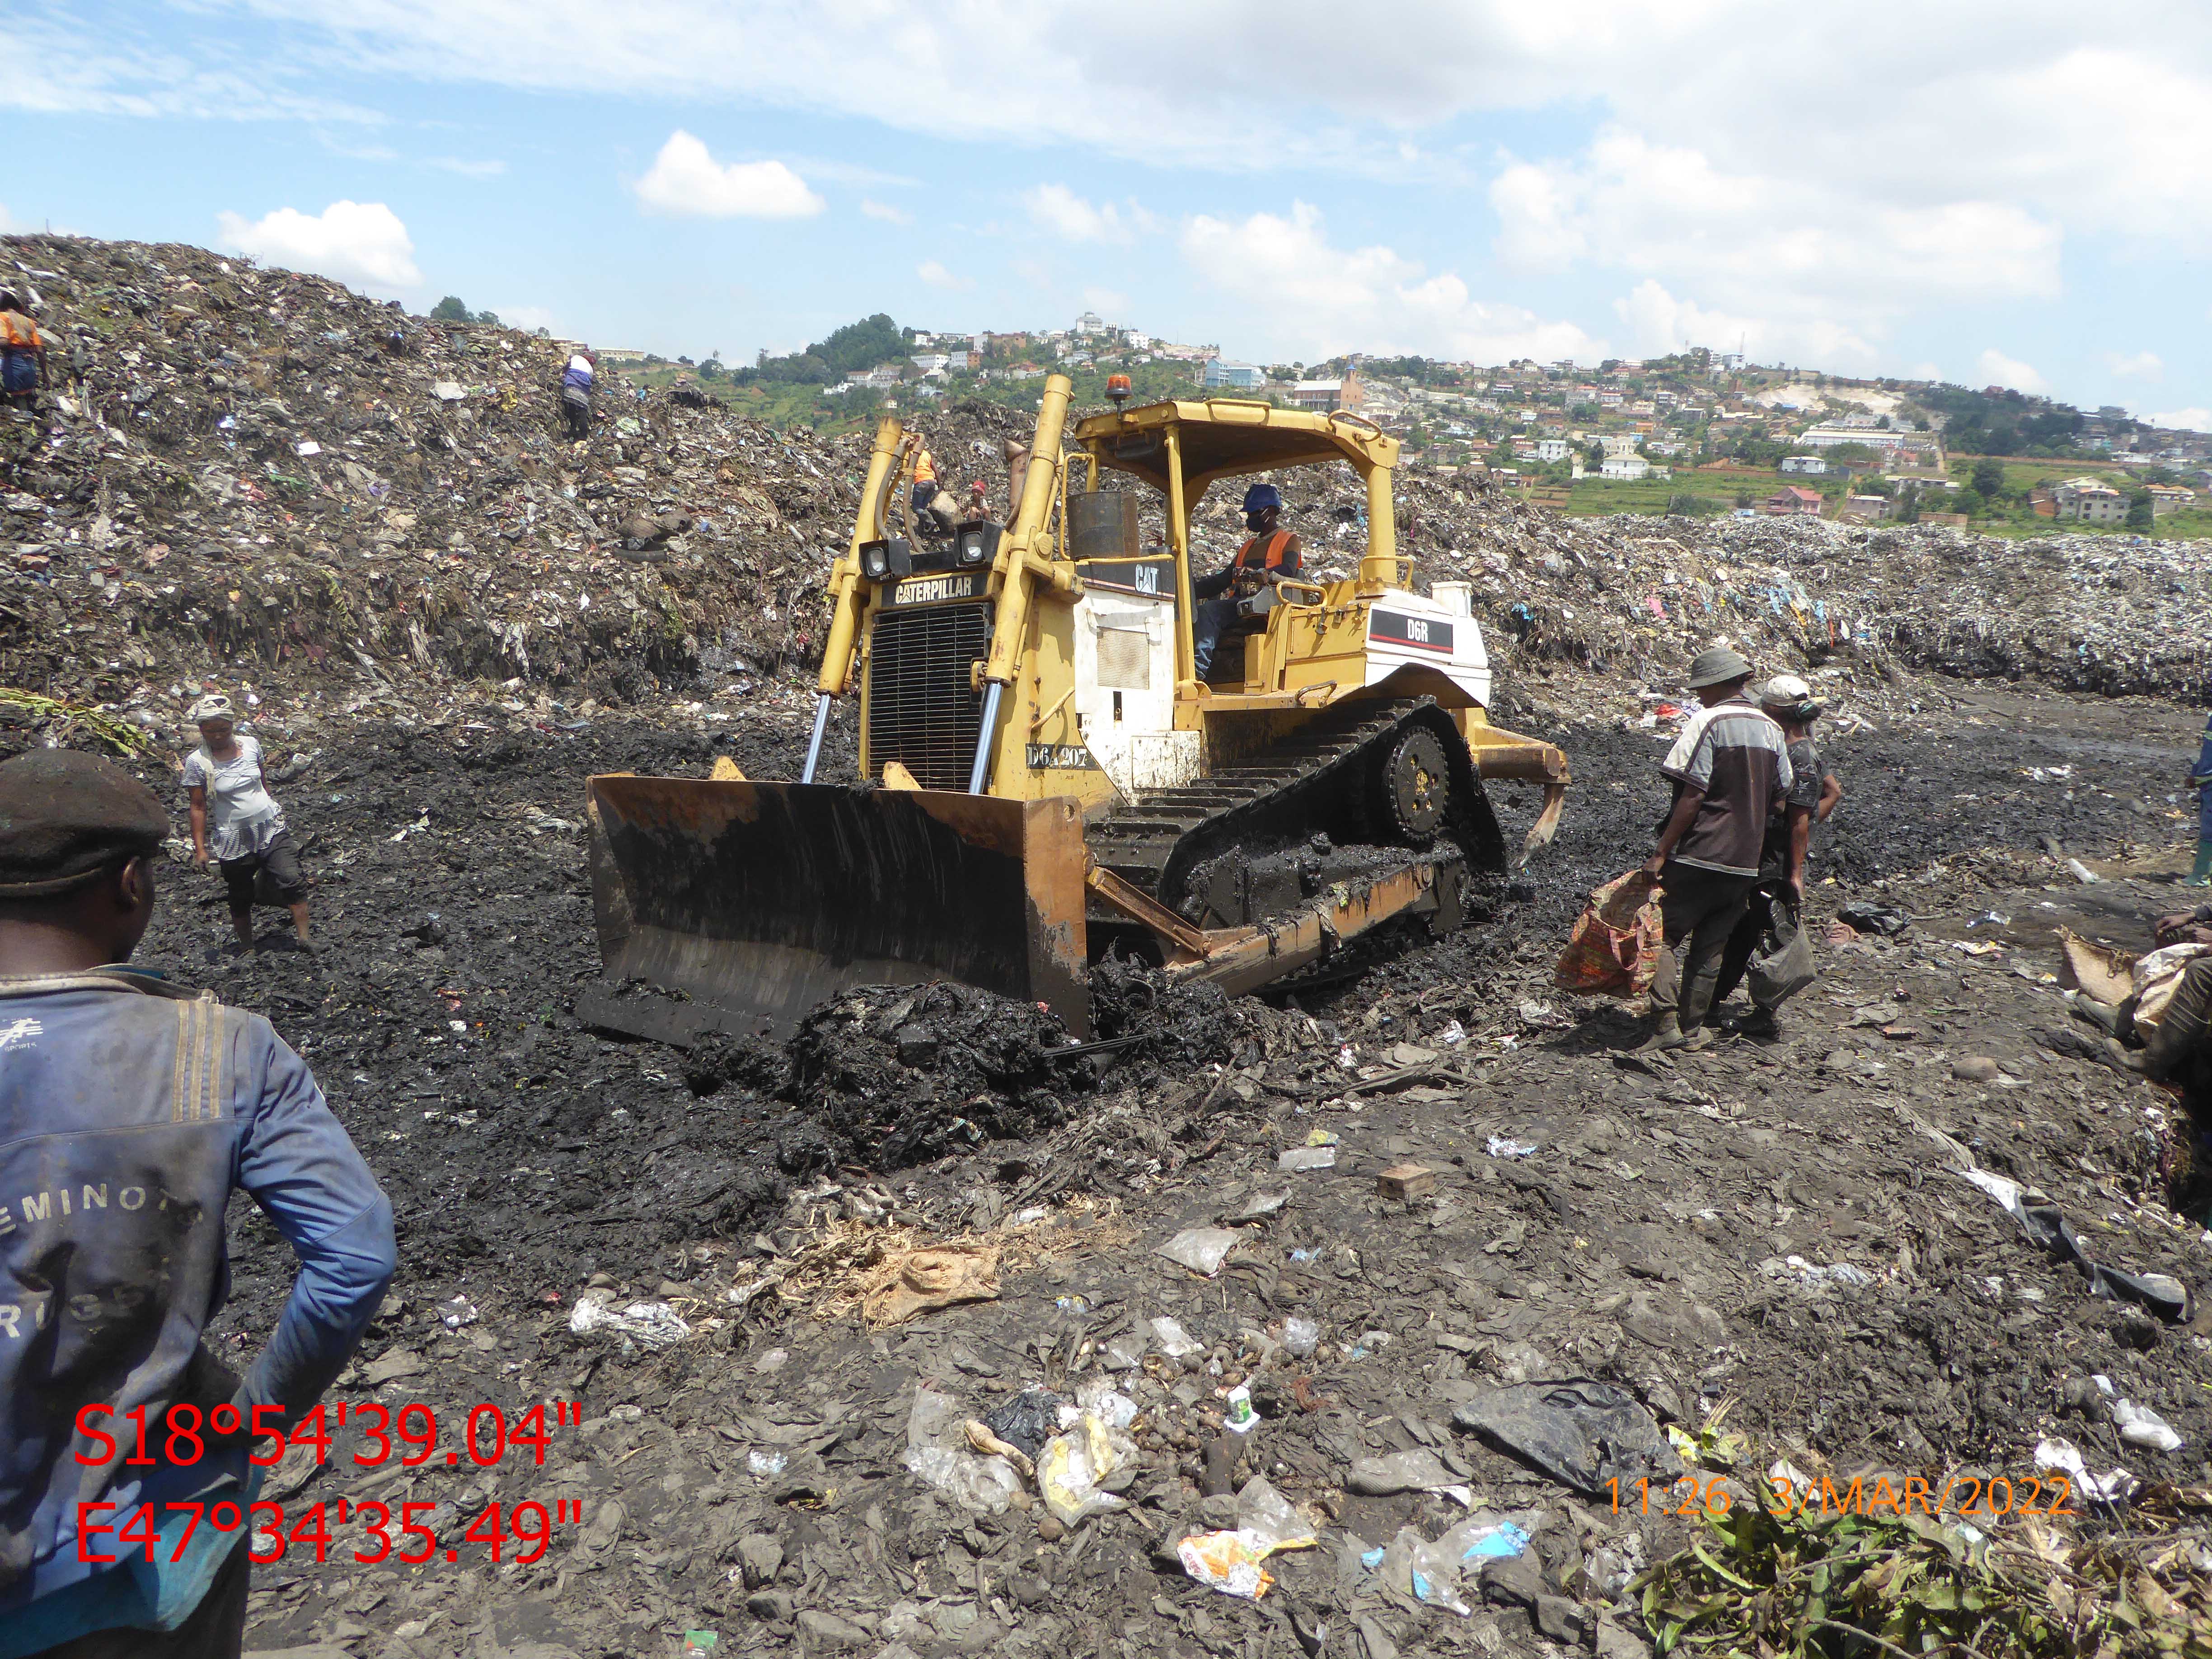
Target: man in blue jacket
pixel 130 1109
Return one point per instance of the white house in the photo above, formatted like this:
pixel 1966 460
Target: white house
pixel 1552 449
pixel 929 361
pixel 1812 464
pixel 1623 466
pixel 1618 444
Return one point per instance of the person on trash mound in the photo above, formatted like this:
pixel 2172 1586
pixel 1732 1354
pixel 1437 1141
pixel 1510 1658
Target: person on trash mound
pixel 237 825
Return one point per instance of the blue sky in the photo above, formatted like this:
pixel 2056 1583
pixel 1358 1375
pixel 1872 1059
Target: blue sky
pixel 1989 192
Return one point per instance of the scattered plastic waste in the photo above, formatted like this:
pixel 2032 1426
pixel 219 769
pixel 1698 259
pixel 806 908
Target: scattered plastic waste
pixel 1238 1417
pixel 2082 873
pixel 650 1325
pixel 2140 1425
pixel 1501 1146
pixel 457 1313
pixel 767 1463
pixel 1266 1517
pixel 938 1453
pixel 1300 1337
pixel 1453 1035
pixel 1074 1466
pixel 1172 1340
pixel 1417 1470
pixel 1323 1138
pixel 1229 1562
pixel 1026 1421
pixel 2115 1486
pixel 1070 1304
pixel 1201 1249
pixel 1579 1431
pixel 1303 1158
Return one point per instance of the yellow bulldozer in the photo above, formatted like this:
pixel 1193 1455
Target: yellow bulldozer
pixel 1043 777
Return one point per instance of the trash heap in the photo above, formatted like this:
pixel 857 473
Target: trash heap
pixel 257 473
pixel 258 476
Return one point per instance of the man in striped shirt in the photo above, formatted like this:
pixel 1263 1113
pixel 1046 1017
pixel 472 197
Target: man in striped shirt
pixel 1730 769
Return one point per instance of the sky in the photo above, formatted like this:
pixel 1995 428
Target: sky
pixel 1988 192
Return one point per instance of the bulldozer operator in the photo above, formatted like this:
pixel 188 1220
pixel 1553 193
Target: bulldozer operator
pixel 1269 556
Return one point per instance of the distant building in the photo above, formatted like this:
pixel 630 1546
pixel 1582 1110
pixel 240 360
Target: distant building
pixel 1090 323
pixel 2169 498
pixel 1827 437
pixel 2089 501
pixel 1811 465
pixel 1221 374
pixel 1866 506
pixel 1328 396
pixel 1794 501
pixel 1624 467
pixel 1552 449
pixel 1618 444
pixel 928 361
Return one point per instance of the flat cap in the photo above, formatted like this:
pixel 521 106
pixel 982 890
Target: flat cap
pixel 1717 666
pixel 65 817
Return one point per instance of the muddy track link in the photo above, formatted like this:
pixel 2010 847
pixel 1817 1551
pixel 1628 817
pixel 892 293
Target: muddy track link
pixel 1318 779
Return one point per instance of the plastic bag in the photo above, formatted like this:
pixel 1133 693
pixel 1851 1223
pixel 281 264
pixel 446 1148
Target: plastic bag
pixel 1613 950
pixel 1783 965
pixel 1073 1465
pixel 938 1452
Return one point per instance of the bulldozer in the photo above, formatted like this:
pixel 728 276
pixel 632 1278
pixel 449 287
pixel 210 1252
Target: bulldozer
pixel 1043 777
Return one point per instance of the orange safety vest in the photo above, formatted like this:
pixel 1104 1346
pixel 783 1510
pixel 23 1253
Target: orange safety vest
pixel 924 468
pixel 1273 551
pixel 18 332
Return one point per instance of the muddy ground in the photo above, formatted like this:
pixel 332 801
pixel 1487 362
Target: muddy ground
pixel 749 1479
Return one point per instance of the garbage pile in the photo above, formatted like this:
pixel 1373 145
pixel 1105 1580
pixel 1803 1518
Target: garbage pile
pixel 258 473
pixel 1637 595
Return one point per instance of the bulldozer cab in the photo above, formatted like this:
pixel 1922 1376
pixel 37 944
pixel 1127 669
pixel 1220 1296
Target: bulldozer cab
pixel 1181 449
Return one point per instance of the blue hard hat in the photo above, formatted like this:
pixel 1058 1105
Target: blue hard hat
pixel 1261 496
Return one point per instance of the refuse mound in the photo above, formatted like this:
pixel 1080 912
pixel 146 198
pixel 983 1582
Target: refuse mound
pixel 718 1058
pixel 1171 1023
pixel 903 1074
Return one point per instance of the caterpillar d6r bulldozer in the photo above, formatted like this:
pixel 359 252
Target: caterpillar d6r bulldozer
pixel 1043 778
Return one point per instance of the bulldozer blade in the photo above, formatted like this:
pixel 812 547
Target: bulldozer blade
pixel 738 906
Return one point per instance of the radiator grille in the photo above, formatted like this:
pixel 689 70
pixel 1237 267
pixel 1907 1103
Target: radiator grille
pixel 921 710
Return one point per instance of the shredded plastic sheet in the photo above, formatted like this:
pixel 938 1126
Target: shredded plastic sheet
pixel 653 1325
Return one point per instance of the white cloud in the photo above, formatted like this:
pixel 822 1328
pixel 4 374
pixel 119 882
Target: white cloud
pixel 487 169
pixel 1073 219
pixel 526 316
pixel 1998 369
pixel 1658 323
pixel 361 243
pixel 1307 299
pixel 2137 365
pixel 2187 420
pixel 1796 264
pixel 685 180
pixel 888 214
pixel 938 276
pixel 1107 302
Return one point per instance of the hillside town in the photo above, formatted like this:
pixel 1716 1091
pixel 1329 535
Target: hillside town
pixel 1702 432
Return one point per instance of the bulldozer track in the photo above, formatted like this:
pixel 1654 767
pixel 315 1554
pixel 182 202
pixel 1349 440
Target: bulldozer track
pixel 1313 779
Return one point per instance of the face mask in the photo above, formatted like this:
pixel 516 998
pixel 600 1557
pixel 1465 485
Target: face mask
pixel 1253 521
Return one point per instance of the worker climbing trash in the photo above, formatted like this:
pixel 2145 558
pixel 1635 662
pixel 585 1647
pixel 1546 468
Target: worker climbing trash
pixel 238 826
pixel 576 395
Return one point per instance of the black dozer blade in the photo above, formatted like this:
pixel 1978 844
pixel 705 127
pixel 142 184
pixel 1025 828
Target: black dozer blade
pixel 738 906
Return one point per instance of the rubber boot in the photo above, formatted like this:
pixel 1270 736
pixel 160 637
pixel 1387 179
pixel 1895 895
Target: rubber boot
pixel 2202 875
pixel 1666 1034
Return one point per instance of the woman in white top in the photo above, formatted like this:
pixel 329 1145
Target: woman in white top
pixel 235 819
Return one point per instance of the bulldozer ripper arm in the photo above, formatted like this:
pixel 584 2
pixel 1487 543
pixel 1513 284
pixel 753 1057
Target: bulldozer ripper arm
pixel 1240 959
pixel 1499 754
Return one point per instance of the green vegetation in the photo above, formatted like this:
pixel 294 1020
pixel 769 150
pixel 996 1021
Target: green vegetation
pixel 450 310
pixel 852 349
